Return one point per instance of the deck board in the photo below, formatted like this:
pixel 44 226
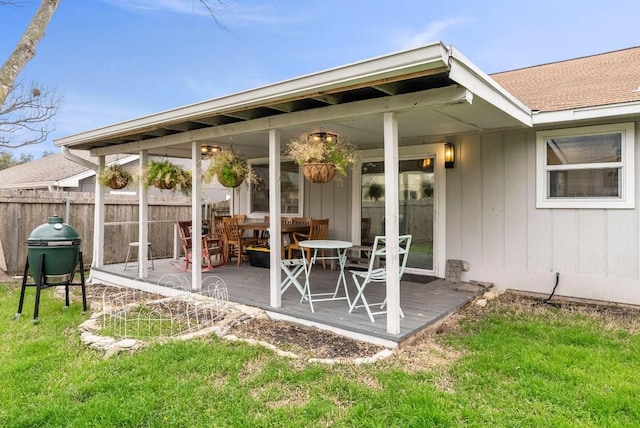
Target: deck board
pixel 422 303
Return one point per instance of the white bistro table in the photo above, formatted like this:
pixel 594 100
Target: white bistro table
pixel 341 248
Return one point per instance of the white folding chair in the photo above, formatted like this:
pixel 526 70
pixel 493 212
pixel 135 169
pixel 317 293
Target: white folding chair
pixel 292 268
pixel 378 274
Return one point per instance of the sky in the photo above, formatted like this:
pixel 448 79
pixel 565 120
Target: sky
pixel 115 60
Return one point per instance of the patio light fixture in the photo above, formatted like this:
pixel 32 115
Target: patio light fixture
pixel 208 150
pixel 323 137
pixel 449 155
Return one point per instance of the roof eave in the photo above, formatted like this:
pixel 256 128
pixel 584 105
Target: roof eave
pixel 587 113
pixel 427 57
pixel 468 75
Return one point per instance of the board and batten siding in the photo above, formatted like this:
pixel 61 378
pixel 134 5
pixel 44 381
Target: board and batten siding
pixel 493 224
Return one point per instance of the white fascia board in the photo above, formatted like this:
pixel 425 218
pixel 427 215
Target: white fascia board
pixel 597 112
pixel 468 75
pixel 35 185
pixel 410 61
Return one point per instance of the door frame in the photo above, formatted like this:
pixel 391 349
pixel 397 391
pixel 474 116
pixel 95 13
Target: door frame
pixel 439 199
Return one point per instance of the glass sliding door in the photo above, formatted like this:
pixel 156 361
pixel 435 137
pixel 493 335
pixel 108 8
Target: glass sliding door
pixel 416 210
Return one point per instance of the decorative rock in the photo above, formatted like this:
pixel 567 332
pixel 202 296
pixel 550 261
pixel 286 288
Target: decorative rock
pixel 325 361
pixel 385 353
pixel 127 343
pixel 495 292
pixel 481 302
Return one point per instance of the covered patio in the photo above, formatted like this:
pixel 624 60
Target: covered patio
pixel 424 304
pixel 399 106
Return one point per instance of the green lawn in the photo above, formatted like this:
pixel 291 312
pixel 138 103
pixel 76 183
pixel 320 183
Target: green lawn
pixel 512 364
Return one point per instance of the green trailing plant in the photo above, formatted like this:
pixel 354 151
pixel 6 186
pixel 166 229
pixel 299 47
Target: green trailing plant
pixel 305 150
pixel 115 177
pixel 167 175
pixel 230 169
pixel 427 189
pixel 376 190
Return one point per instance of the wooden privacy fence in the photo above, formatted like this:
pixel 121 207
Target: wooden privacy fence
pixel 23 210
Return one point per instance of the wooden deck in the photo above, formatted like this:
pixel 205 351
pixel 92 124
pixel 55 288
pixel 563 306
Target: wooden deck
pixel 424 304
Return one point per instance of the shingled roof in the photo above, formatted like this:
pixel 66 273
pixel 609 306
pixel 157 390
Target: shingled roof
pixel 598 80
pixel 46 170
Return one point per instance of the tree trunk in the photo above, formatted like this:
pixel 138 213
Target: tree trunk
pixel 26 48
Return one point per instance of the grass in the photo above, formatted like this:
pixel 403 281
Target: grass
pixel 510 364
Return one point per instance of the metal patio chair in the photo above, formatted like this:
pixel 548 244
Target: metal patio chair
pixel 375 274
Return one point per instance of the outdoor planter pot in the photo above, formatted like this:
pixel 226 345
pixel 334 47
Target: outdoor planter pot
pixel 322 155
pixel 166 175
pixel 230 180
pixel 230 169
pixel 319 172
pixel 115 177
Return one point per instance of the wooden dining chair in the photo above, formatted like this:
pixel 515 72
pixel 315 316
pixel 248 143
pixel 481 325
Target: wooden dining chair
pixel 218 230
pixel 236 243
pixel 318 229
pixel 287 220
pixel 263 235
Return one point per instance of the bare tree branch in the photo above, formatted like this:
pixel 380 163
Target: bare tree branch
pixel 212 11
pixel 25 117
pixel 26 48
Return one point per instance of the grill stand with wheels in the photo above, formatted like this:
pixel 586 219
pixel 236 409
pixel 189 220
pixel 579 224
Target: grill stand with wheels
pixel 41 283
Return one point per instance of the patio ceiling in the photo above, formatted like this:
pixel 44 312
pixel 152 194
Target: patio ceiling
pixel 434 94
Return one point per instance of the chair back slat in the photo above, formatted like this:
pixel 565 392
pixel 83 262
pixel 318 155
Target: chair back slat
pixel 380 250
pixel 232 231
pixel 318 229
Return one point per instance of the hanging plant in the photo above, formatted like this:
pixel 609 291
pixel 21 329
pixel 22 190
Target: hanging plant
pixel 229 169
pixel 375 191
pixel 166 175
pixel 115 177
pixel 322 155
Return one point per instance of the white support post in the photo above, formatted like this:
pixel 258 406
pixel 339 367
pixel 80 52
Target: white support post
pixel 98 219
pixel 143 221
pixel 275 241
pixel 196 217
pixel 392 221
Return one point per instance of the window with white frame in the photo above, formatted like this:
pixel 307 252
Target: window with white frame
pixel 290 189
pixel 587 167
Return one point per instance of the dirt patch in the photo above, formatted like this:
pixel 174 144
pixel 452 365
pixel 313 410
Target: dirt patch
pixel 304 341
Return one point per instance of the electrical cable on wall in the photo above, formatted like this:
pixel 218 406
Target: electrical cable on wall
pixel 554 287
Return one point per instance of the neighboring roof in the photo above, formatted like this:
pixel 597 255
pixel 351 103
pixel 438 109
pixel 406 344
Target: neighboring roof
pixel 48 169
pixel 44 172
pixel 598 80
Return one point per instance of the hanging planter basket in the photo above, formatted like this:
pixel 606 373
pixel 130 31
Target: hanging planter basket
pixel 163 185
pixel 114 177
pixel 230 180
pixel 319 172
pixel 117 183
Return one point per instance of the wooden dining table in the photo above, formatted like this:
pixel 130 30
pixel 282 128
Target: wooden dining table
pixel 285 228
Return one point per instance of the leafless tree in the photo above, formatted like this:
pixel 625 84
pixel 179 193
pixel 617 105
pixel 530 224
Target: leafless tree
pixel 26 111
pixel 26 48
pixel 26 115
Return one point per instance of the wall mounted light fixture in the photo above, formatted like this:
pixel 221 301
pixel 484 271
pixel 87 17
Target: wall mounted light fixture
pixel 449 155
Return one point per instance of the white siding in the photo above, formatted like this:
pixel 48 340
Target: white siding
pixel 493 224
pixel 333 201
